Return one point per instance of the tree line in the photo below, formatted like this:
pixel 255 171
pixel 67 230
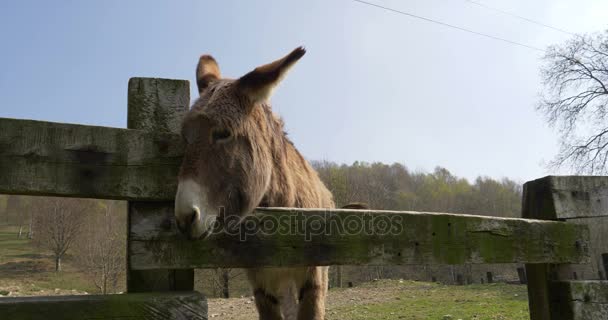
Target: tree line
pixel 395 187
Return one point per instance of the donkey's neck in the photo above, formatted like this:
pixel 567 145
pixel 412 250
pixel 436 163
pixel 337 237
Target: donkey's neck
pixel 293 183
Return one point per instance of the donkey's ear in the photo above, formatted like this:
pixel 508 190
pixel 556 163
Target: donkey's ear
pixel 258 84
pixel 207 71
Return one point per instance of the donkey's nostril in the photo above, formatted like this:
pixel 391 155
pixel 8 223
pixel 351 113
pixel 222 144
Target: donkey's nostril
pixel 187 221
pixel 193 217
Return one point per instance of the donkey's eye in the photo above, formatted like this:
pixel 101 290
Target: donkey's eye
pixel 220 135
pixel 190 133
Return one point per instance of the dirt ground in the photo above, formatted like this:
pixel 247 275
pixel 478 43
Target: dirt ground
pixel 244 308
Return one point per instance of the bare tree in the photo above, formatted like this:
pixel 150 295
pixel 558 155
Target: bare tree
pixel 3 208
pixel 14 212
pixel 30 233
pixel 59 223
pixel 575 98
pixel 101 252
pixel 222 278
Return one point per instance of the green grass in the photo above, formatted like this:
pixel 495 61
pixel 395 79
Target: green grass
pixel 417 300
pixel 31 269
pixel 12 247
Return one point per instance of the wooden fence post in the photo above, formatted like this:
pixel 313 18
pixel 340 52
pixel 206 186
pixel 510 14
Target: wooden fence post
pixel 552 292
pixel 604 275
pixel 156 105
pixel 521 274
pixel 459 280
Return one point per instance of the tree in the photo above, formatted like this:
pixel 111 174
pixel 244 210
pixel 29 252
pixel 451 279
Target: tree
pixel 59 223
pixel 3 208
pixel 101 252
pixel 222 278
pixel 575 100
pixel 30 233
pixel 13 209
pixel 18 208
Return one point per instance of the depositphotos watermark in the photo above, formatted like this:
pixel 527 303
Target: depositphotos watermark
pixel 305 224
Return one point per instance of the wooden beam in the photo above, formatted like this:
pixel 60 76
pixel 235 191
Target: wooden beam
pixel 157 105
pixel 579 300
pixel 58 159
pixel 356 237
pixel 567 197
pixel 141 306
pixel 580 200
pixel 154 279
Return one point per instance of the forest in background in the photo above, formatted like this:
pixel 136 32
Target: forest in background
pixel 91 234
pixel 394 187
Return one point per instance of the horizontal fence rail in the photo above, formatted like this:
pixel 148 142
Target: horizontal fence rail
pixel 278 237
pixel 58 159
pixel 579 300
pixel 567 197
pixel 140 306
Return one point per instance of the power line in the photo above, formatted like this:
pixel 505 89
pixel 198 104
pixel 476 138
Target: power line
pixel 411 15
pixel 519 17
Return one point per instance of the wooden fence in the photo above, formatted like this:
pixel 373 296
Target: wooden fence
pixel 140 165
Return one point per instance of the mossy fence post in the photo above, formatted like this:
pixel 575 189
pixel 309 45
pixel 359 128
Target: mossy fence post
pixel 569 291
pixel 156 105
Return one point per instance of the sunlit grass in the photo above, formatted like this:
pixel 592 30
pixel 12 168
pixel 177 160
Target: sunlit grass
pixel 30 270
pixel 417 300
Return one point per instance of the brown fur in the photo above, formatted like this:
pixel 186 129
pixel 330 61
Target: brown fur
pixel 257 164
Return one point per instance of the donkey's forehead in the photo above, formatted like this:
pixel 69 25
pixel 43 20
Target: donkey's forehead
pixel 219 97
pixel 221 84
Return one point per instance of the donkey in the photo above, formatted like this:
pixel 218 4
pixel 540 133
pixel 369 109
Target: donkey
pixel 238 157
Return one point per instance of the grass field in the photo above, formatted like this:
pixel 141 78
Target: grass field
pixel 421 300
pixel 27 270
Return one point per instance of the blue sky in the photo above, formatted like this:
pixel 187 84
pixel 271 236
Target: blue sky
pixel 374 85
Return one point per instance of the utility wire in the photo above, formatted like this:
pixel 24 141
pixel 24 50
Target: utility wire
pixel 411 15
pixel 519 17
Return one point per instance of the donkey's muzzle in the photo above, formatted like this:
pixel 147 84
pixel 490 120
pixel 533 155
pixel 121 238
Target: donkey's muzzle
pixel 194 224
pixel 186 222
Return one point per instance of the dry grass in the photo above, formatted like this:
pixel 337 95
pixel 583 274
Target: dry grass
pixel 27 271
pixel 394 299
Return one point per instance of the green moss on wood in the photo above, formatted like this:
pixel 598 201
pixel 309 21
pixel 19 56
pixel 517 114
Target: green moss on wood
pixel 57 159
pixel 148 306
pixel 424 238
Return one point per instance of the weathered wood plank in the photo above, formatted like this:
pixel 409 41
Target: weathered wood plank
pixel 539 276
pixel 58 159
pixel 144 306
pixel 567 197
pixel 581 200
pixel 159 279
pixel 157 105
pixel 579 300
pixel 413 238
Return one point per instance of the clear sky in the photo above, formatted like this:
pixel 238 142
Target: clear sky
pixel 374 85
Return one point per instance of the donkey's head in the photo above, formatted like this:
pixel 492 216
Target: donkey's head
pixel 229 134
